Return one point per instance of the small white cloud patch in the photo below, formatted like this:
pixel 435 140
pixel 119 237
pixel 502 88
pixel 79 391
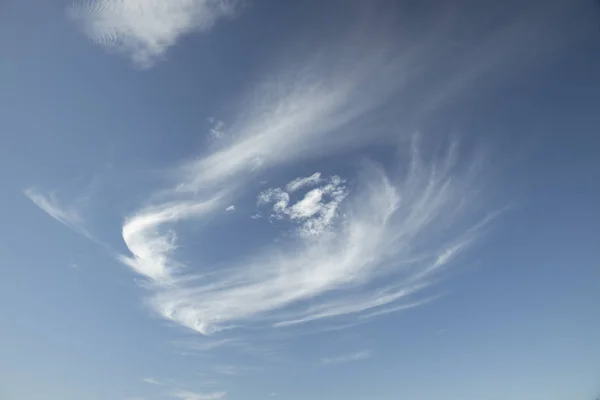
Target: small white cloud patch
pixel 145 29
pixel 315 211
pixel 230 208
pixel 217 129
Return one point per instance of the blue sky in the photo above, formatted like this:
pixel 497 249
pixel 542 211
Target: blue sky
pixel 223 199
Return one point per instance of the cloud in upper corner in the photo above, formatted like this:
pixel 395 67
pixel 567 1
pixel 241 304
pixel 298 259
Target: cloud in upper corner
pixel 145 29
pixel 346 358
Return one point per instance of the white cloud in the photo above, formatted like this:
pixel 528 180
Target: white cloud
pixel 299 183
pixel 187 395
pixel 151 249
pixel 346 358
pixel 294 114
pixel 391 235
pixel 315 211
pixel 278 197
pixel 230 208
pixel 50 204
pixel 66 215
pixel 217 131
pixel 145 29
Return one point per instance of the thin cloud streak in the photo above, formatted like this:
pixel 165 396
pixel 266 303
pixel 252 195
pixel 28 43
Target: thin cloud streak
pixel 152 381
pixel 66 215
pixel 298 120
pixel 50 205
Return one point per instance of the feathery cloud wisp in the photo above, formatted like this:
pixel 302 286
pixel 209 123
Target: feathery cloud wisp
pixel 152 381
pixel 66 215
pixel 145 29
pixel 49 204
pixel 298 183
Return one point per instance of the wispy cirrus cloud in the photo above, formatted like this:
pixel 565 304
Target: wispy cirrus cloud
pixel 299 183
pixel 346 358
pixel 293 120
pixel 394 234
pixel 388 231
pixel 152 381
pixel 145 29
pixel 379 241
pixel 67 215
pixel 50 204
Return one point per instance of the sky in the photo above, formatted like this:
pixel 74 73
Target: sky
pixel 244 200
